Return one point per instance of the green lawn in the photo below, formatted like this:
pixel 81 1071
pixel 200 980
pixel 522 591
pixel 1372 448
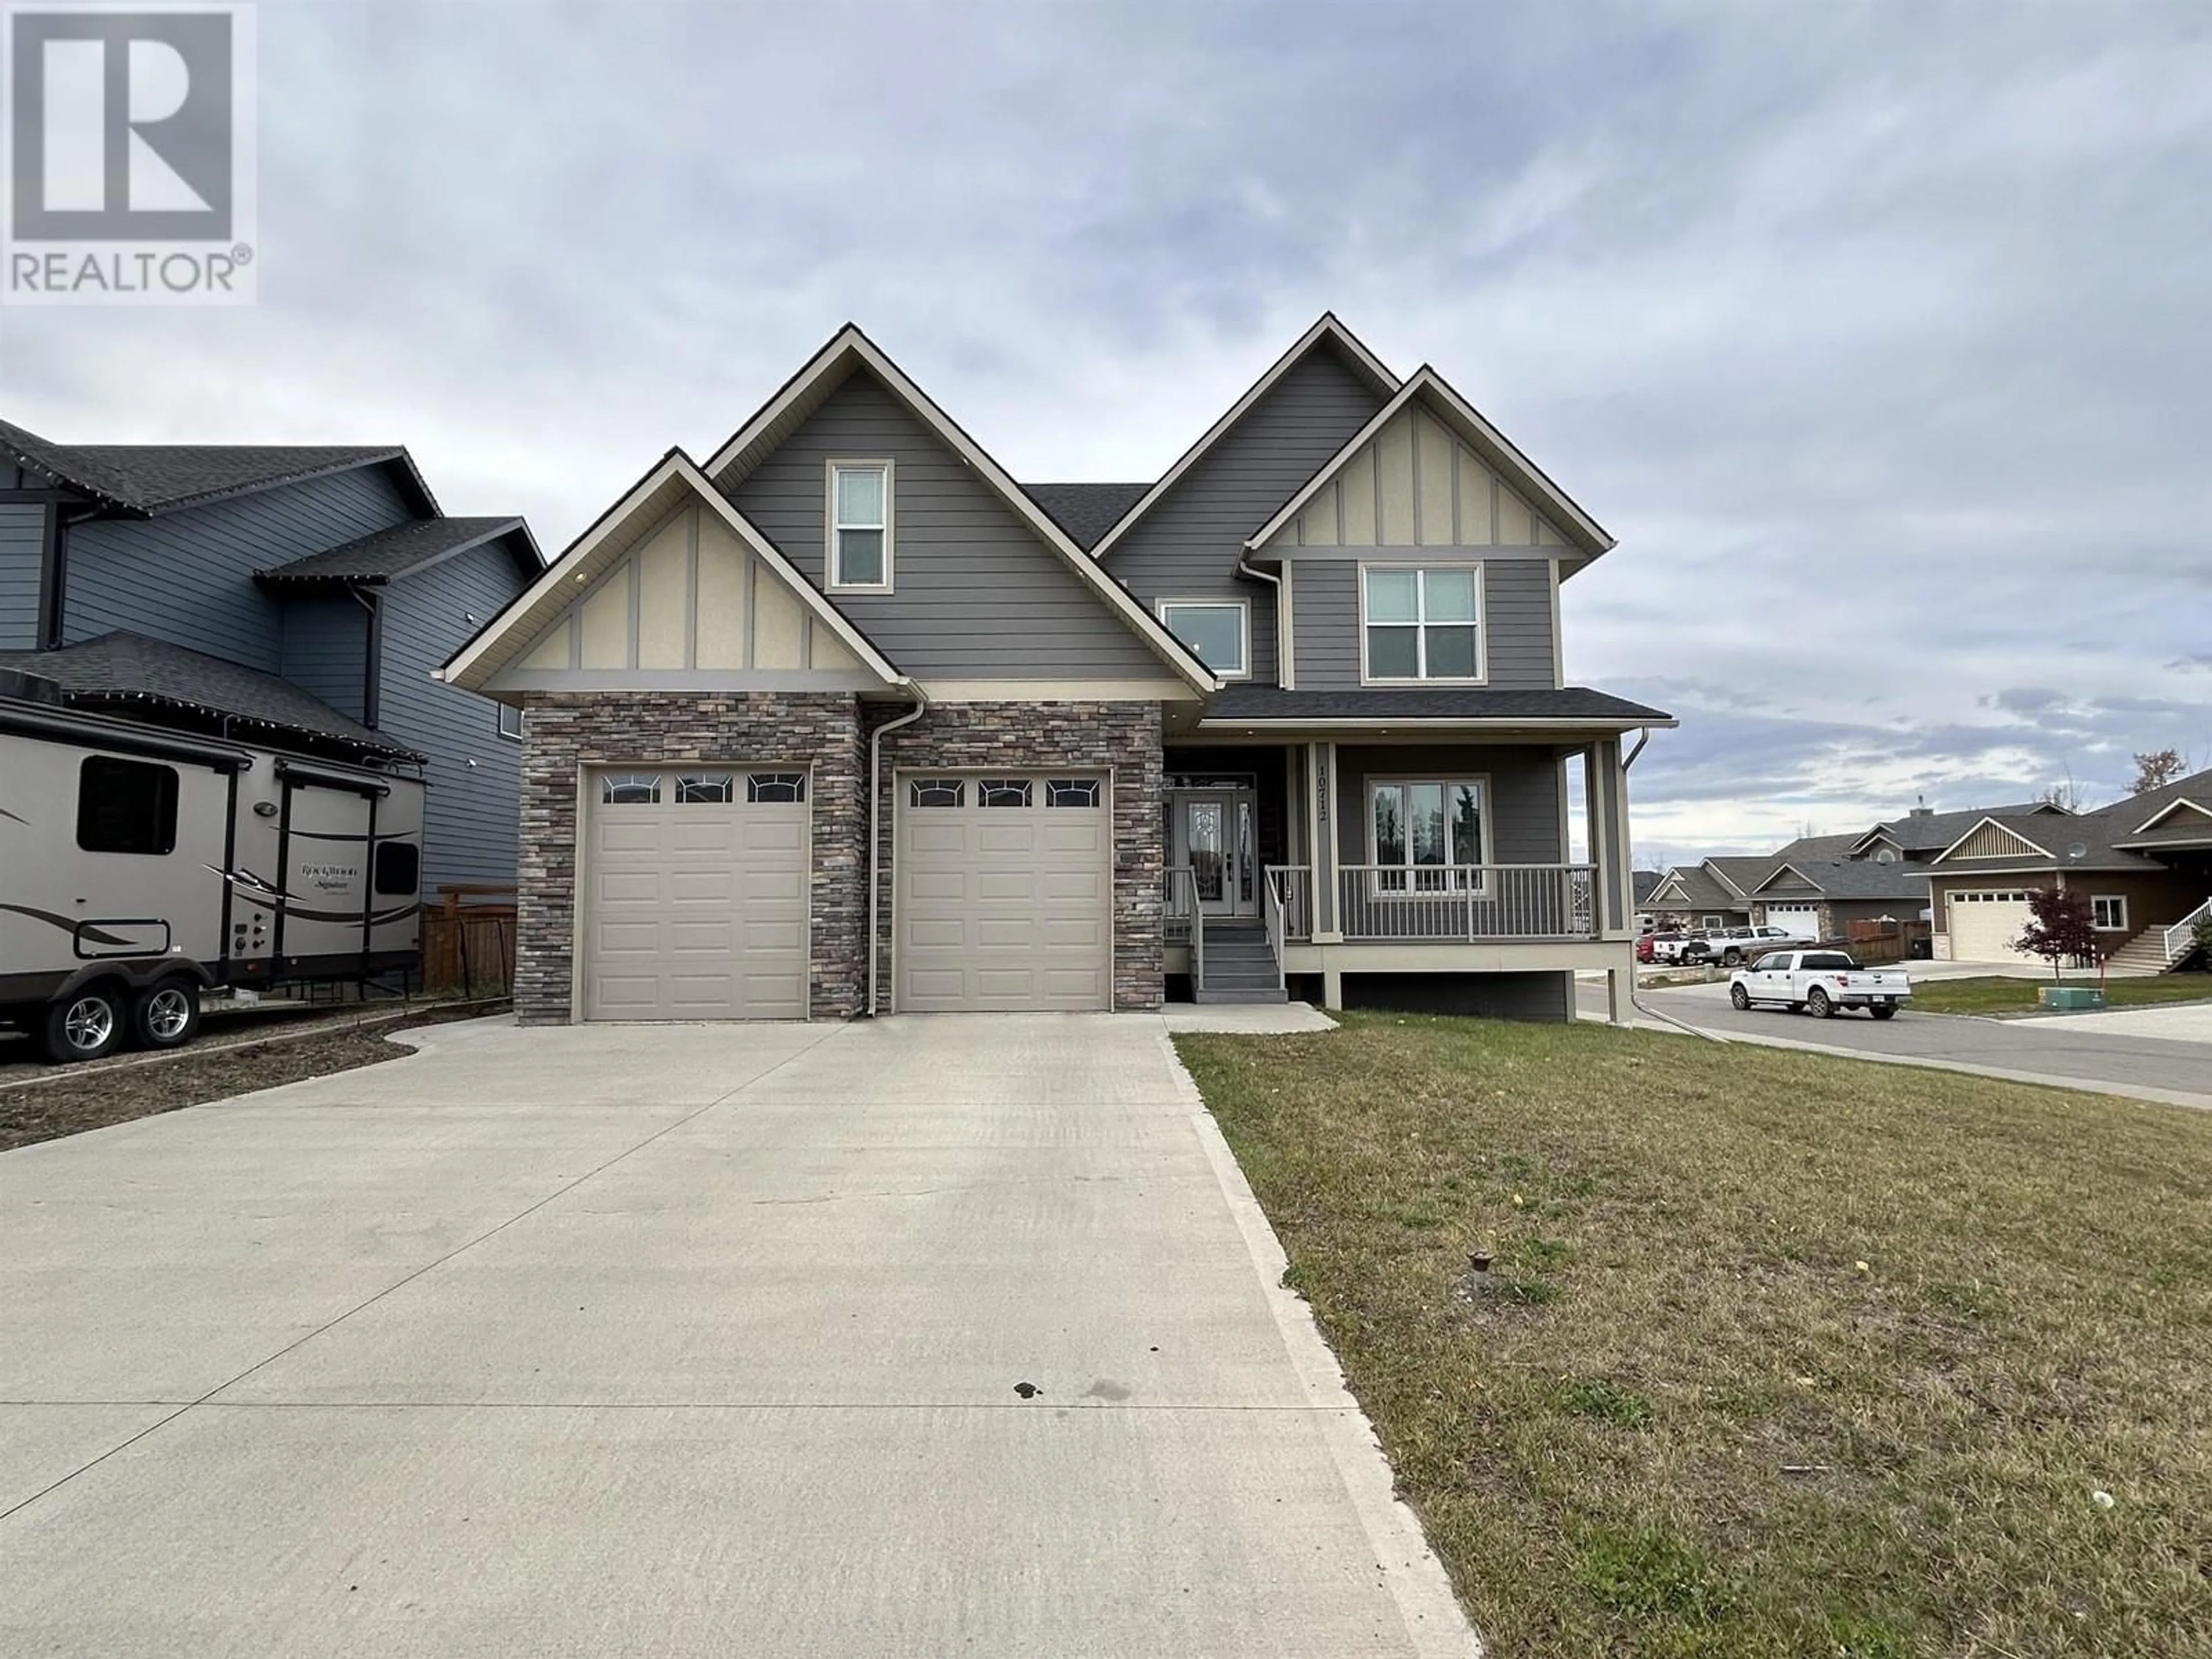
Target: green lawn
pixel 1999 996
pixel 1782 1355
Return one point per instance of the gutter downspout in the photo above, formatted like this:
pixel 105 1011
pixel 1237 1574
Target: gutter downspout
pixel 875 830
pixel 1245 567
pixel 372 657
pixel 1643 737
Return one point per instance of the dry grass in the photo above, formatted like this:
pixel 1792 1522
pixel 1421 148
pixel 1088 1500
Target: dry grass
pixel 1682 1420
pixel 1998 994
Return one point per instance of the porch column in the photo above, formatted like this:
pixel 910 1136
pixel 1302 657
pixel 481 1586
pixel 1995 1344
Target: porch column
pixel 1605 796
pixel 1320 814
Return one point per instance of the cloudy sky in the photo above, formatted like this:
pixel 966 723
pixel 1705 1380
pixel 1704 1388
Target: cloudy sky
pixel 1877 334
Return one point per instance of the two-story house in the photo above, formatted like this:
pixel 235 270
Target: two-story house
pixel 305 597
pixel 845 718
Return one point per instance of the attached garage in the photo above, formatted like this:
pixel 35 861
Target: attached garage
pixel 695 894
pixel 1004 892
pixel 1803 920
pixel 1984 925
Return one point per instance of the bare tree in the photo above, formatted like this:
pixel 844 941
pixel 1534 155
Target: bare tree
pixel 2065 795
pixel 2155 770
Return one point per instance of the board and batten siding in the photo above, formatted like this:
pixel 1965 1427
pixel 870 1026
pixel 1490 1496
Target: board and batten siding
pixel 1189 545
pixel 976 593
pixel 471 814
pixel 326 650
pixel 23 543
pixel 1523 806
pixel 1517 622
pixel 187 577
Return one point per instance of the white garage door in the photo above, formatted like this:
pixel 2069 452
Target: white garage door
pixel 1984 925
pixel 1004 892
pixel 1803 920
pixel 695 895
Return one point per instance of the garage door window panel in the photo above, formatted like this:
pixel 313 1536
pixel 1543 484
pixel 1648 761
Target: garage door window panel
pixel 705 789
pixel 1072 792
pixel 1003 791
pixel 782 789
pixel 630 789
pixel 938 791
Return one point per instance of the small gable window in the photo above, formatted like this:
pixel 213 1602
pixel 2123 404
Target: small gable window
pixel 1219 631
pixel 860 525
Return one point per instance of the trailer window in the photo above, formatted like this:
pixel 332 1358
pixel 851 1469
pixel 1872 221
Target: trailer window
pixel 126 807
pixel 399 868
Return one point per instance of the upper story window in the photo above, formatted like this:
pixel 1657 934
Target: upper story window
pixel 860 525
pixel 510 720
pixel 1421 623
pixel 1219 631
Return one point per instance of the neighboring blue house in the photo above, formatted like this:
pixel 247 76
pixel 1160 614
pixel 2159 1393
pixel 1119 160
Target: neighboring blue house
pixel 303 595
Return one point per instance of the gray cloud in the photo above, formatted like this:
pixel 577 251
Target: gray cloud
pixel 1886 368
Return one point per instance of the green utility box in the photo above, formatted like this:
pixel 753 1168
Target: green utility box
pixel 2072 998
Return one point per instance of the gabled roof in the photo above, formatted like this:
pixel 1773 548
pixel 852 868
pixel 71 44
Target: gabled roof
pixel 1465 421
pixel 146 479
pixel 849 349
pixel 1691 886
pixel 119 671
pixel 675 480
pixel 403 550
pixel 2181 803
pixel 1086 511
pixel 1740 874
pixel 1328 331
pixel 1853 878
pixel 1931 832
pixel 2010 830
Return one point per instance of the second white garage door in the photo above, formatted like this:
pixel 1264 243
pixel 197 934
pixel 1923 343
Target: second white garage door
pixel 1803 920
pixel 695 895
pixel 1004 888
pixel 1984 925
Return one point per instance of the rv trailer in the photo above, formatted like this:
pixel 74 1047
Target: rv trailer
pixel 141 867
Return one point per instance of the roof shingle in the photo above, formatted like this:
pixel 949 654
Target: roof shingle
pixel 150 478
pixel 394 552
pixel 1086 511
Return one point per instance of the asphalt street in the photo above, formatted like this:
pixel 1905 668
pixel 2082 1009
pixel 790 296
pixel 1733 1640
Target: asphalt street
pixel 2050 1049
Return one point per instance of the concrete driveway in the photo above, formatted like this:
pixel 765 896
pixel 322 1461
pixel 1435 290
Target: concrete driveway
pixel 684 1340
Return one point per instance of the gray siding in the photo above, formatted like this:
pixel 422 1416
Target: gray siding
pixel 1187 547
pixel 1516 614
pixel 976 595
pixel 187 577
pixel 22 536
pixel 470 813
pixel 1523 805
pixel 326 650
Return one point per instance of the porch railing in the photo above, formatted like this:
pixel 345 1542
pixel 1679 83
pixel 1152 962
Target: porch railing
pixel 2181 938
pixel 1182 919
pixel 1472 902
pixel 1290 898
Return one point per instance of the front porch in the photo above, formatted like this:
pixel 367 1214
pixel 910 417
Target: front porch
pixel 1408 872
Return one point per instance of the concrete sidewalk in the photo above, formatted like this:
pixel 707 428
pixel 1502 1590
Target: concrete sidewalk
pixel 924 1336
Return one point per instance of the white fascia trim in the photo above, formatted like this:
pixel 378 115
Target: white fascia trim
pixel 1593 535
pixel 1976 830
pixel 850 342
pixel 1327 328
pixel 1722 877
pixel 1057 691
pixel 1786 869
pixel 2167 811
pixel 463 669
pixel 1478 723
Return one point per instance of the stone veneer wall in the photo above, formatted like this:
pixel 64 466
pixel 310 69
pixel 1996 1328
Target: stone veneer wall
pixel 1122 737
pixel 566 730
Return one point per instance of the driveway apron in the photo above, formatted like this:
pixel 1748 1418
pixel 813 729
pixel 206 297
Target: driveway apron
pixel 928 1336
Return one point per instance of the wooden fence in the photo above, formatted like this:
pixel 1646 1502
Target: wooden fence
pixel 468 940
pixel 1883 941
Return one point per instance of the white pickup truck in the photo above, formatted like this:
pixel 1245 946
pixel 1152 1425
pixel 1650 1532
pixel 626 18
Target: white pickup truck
pixel 1820 982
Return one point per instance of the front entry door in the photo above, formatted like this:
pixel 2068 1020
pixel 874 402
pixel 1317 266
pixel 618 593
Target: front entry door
pixel 1215 836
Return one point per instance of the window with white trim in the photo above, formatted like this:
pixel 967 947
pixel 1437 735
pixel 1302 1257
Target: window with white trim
pixel 1421 623
pixel 2108 913
pixel 860 525
pixel 1218 631
pixel 510 721
pixel 1426 835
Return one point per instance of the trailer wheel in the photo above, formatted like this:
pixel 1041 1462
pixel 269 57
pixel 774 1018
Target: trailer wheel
pixel 83 1025
pixel 167 1015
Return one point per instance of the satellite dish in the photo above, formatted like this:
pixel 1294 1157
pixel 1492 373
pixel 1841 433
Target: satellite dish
pixel 2079 849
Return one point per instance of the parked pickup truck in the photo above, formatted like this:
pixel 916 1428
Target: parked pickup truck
pixel 1820 982
pixel 1730 945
